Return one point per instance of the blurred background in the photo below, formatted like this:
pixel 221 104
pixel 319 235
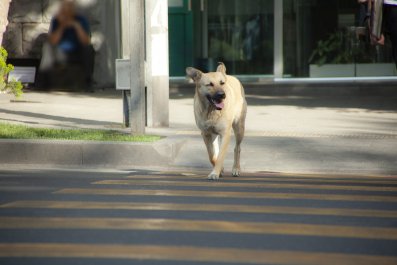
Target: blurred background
pixel 257 39
pixel 29 24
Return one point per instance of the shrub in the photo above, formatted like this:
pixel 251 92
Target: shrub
pixel 13 86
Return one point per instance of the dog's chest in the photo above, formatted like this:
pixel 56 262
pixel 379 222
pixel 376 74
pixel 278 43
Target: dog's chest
pixel 208 120
pixel 213 123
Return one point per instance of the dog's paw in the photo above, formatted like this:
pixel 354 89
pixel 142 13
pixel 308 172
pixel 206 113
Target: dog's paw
pixel 236 172
pixel 213 176
pixel 222 173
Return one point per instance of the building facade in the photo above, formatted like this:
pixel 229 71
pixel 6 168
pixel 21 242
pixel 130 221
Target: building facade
pixel 276 39
pixel 256 39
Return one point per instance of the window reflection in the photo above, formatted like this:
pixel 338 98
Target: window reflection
pixel 241 35
pixel 329 39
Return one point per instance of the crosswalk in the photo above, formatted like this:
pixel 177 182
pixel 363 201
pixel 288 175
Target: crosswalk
pixel 181 218
pixel 229 194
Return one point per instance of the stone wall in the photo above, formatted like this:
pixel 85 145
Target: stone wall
pixel 4 5
pixel 29 22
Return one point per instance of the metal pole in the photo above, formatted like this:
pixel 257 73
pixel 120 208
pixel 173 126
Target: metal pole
pixel 137 57
pixel 126 108
pixel 278 39
pixel 157 63
pixel 205 28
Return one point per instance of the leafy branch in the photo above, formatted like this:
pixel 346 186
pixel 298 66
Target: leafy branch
pixel 332 50
pixel 15 87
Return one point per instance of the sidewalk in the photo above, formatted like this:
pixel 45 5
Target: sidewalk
pixel 346 134
pixel 305 134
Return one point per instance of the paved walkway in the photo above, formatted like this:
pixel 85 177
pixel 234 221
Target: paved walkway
pixel 164 218
pixel 63 110
pixel 305 134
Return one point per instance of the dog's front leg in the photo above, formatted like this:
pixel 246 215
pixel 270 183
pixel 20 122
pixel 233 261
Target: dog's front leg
pixel 211 142
pixel 225 138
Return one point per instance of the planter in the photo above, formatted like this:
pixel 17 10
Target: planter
pixel 353 70
pixel 332 70
pixel 376 69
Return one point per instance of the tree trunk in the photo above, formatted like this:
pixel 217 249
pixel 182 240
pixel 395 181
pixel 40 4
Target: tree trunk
pixel 4 6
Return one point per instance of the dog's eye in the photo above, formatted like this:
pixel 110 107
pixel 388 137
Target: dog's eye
pixel 210 84
pixel 222 83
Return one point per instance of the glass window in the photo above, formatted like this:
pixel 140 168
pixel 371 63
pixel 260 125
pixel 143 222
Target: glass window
pixel 175 3
pixel 241 35
pixel 329 39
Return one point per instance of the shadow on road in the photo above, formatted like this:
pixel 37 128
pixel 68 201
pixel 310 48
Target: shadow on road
pixel 62 120
pixel 268 96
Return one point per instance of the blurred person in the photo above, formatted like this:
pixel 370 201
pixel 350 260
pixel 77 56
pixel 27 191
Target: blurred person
pixel 363 13
pixel 252 35
pixel 69 42
pixel 389 24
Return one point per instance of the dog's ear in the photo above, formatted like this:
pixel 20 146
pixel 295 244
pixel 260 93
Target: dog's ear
pixel 221 68
pixel 194 73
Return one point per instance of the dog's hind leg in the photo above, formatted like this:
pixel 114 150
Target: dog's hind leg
pixel 239 129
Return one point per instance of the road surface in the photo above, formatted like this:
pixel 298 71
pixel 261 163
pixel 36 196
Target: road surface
pixel 154 217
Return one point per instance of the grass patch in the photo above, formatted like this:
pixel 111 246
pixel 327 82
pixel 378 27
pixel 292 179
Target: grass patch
pixel 11 131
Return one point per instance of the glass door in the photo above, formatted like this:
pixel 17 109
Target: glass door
pixel 180 26
pixel 239 33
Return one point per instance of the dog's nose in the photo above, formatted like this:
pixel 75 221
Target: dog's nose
pixel 220 94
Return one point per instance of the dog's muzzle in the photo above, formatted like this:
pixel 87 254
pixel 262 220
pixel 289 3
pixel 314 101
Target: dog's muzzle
pixel 217 100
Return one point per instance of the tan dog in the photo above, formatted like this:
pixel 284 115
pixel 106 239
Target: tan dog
pixel 219 107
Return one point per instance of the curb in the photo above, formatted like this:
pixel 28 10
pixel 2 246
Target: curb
pixel 89 153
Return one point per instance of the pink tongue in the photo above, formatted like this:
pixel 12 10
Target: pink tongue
pixel 220 105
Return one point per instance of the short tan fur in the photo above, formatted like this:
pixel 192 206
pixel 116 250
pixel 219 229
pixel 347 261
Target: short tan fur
pixel 219 108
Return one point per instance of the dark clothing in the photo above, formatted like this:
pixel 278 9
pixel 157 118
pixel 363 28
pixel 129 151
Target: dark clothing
pixel 70 42
pixel 58 59
pixel 84 57
pixel 56 65
pixel 390 23
pixel 362 18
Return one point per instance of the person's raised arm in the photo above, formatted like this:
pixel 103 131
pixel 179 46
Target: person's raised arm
pixel 82 33
pixel 56 32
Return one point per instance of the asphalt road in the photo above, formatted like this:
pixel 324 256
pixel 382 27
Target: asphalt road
pixel 153 217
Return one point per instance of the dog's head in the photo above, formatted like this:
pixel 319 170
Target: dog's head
pixel 210 85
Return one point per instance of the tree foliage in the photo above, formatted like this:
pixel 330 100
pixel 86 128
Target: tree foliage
pixel 332 50
pixel 8 86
